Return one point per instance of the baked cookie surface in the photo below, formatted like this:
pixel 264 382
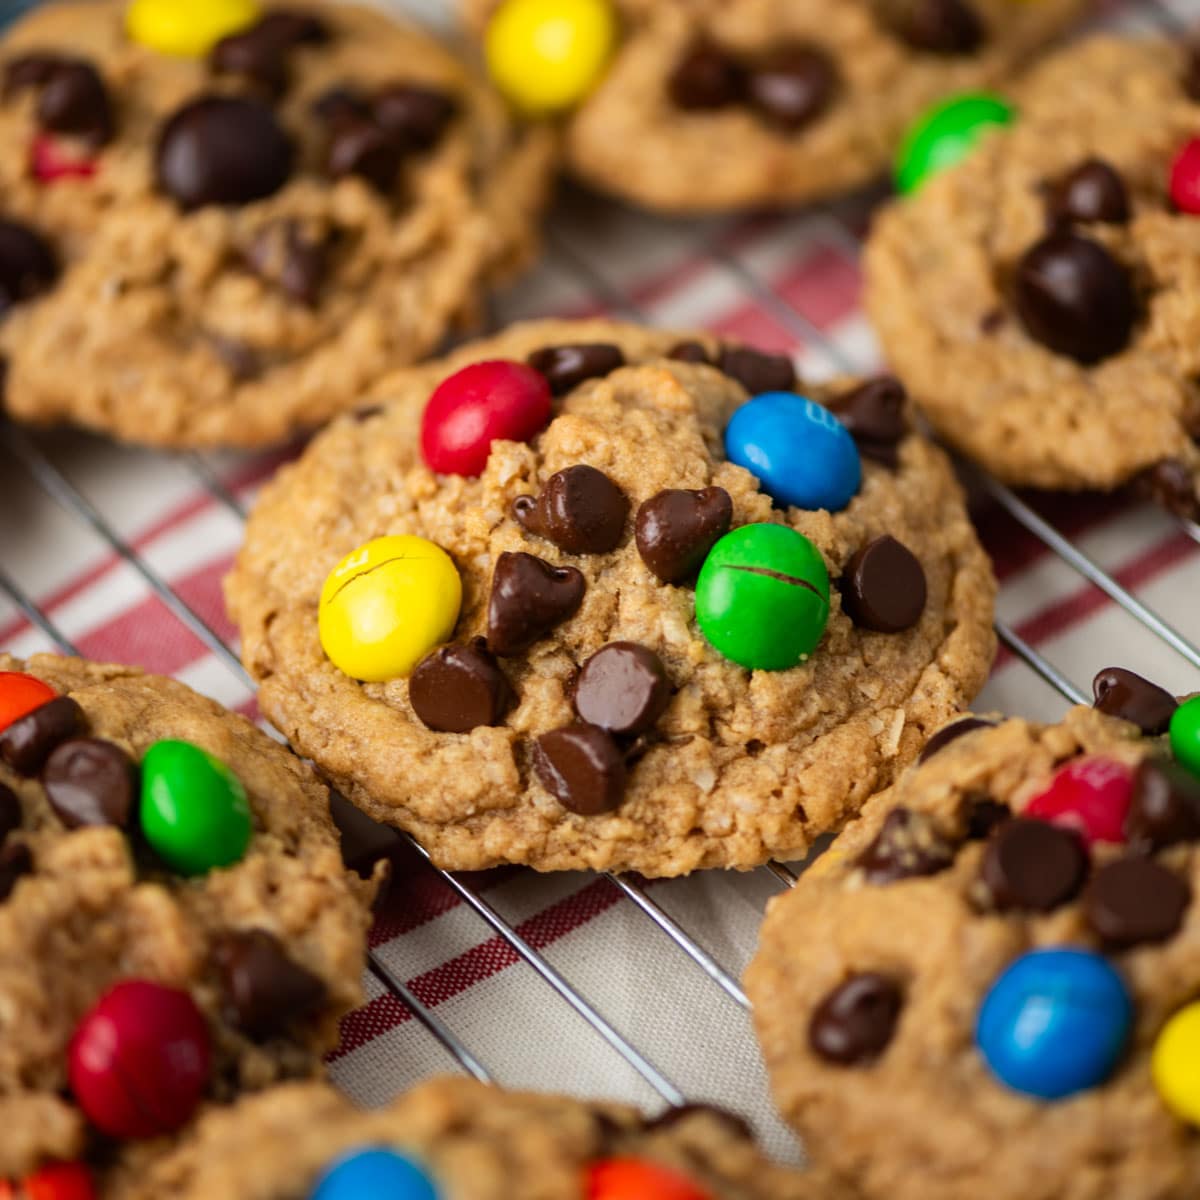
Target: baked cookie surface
pixel 710 763
pixel 1040 297
pixel 1003 937
pixel 106 890
pixel 231 247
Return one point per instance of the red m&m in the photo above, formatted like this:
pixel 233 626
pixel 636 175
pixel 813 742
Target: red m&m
pixel 58 1181
pixel 1089 795
pixel 481 404
pixel 1185 178
pixel 49 162
pixel 20 694
pixel 636 1179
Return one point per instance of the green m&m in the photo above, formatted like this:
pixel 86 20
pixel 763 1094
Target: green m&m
pixel 194 811
pixel 1185 734
pixel 762 598
pixel 945 135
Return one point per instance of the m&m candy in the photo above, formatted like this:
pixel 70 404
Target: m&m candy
pixel 20 694
pixel 637 1179
pixel 762 597
pixel 58 1181
pixel 375 1172
pixel 140 1060
pixel 187 28
pixel 800 452
pixel 1090 796
pixel 387 605
pixel 1185 734
pixel 547 55
pixel 1185 178
pixel 947 134
pixel 1055 1023
pixel 1175 1064
pixel 194 812
pixel 481 404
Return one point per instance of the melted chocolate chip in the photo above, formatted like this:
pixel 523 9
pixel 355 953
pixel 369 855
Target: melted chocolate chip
pixel 883 587
pixel 792 86
pixel 907 845
pixel 72 100
pixel 1135 900
pixel 264 989
pixel 458 688
pixel 1170 485
pixel 705 78
pixel 27 265
pixel 757 372
pixel 416 116
pixel 90 782
pixel 566 367
pixel 982 816
pixel 873 412
pixel 363 149
pixel 949 27
pixel 260 59
pixel 29 71
pixel 950 733
pixel 690 352
pixel 1164 806
pixel 623 688
pixel 16 861
pixel 580 510
pixel 1033 865
pixel 582 767
pixel 26 743
pixel 529 598
pixel 10 812
pixel 1093 191
pixel 283 255
pixel 293 27
pixel 339 104
pixel 1121 693
pixel 855 1022
pixel 676 529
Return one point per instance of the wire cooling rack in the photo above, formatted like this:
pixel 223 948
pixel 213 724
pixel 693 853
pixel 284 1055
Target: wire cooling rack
pixel 718 272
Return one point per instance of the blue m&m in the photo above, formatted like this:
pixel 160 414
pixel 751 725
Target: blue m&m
pixel 801 453
pixel 1055 1023
pixel 365 1174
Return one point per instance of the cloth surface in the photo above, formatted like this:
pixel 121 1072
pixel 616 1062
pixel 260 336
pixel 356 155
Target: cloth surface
pixel 114 545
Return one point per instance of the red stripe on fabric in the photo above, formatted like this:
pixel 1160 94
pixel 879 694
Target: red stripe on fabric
pixel 824 287
pixel 148 634
pixel 750 324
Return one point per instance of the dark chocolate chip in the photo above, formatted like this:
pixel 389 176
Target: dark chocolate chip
pixel 260 59
pixel 792 86
pixel 90 782
pixel 1164 806
pixel 705 78
pixel 264 989
pixel 293 27
pixel 29 71
pixel 883 586
pixel 1170 485
pixel 10 812
pixel 676 529
pixel 982 816
pixel 623 688
pixel 282 255
pixel 458 688
pixel 690 352
pixel 1073 297
pixel 341 103
pixel 1093 191
pixel 1121 693
pixel 1135 900
pixel 529 598
pixel 1191 73
pixel 363 149
pixel 1033 865
pixel 873 412
pixel 670 1117
pixel 939 26
pixel 757 372
pixel 855 1022
pixel 242 360
pixel 227 150
pixel 907 845
pixel 580 510
pixel 566 367
pixel 16 861
pixel 417 116
pixel 950 733
pixel 75 101
pixel 582 767
pixel 26 743
pixel 27 265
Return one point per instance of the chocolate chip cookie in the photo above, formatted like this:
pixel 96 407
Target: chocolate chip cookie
pixel 708 106
pixel 226 249
pixel 1039 297
pixel 589 639
pixel 1001 998
pixel 176 922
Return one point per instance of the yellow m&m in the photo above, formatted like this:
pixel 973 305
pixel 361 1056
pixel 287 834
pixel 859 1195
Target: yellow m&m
pixel 1175 1064
pixel 386 605
pixel 187 28
pixel 547 55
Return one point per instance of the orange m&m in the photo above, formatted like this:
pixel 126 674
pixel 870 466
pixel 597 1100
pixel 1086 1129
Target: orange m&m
pixel 20 694
pixel 636 1179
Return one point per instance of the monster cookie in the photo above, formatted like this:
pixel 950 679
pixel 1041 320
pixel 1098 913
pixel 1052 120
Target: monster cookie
pixel 455 1139
pixel 219 223
pixel 529 607
pixel 176 921
pixel 1002 1000
pixel 1039 298
pixel 710 105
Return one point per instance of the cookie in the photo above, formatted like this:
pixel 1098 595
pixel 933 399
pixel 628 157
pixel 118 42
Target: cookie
pixel 645 665
pixel 226 249
pixel 173 893
pixel 1008 937
pixel 1039 297
pixel 708 106
pixel 456 1139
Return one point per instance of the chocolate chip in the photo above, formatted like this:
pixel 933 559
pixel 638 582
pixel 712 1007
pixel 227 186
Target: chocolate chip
pixel 950 733
pixel 16 861
pixel 580 510
pixel 982 816
pixel 757 372
pixel 264 989
pixel 260 59
pixel 27 265
pixel 1191 73
pixel 10 812
pixel 908 844
pixel 458 688
pixel 1164 806
pixel 566 367
pixel 339 104
pixel 416 115
pixel 938 26
pixel 27 742
pixel 1121 693
pixel 623 688
pixel 361 148
pixel 792 86
pixel 529 598
pixel 582 767
pixel 690 352
pixel 29 71
pixel 670 1117
pixel 293 27
pixel 226 150
pixel 676 529
pixel 241 359
pixel 1135 900
pixel 1033 865
pixel 283 255
pixel 855 1022
pixel 75 101
pixel 90 782
pixel 1093 191
pixel 1073 297
pixel 1170 485
pixel 873 412
pixel 705 78
pixel 883 586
